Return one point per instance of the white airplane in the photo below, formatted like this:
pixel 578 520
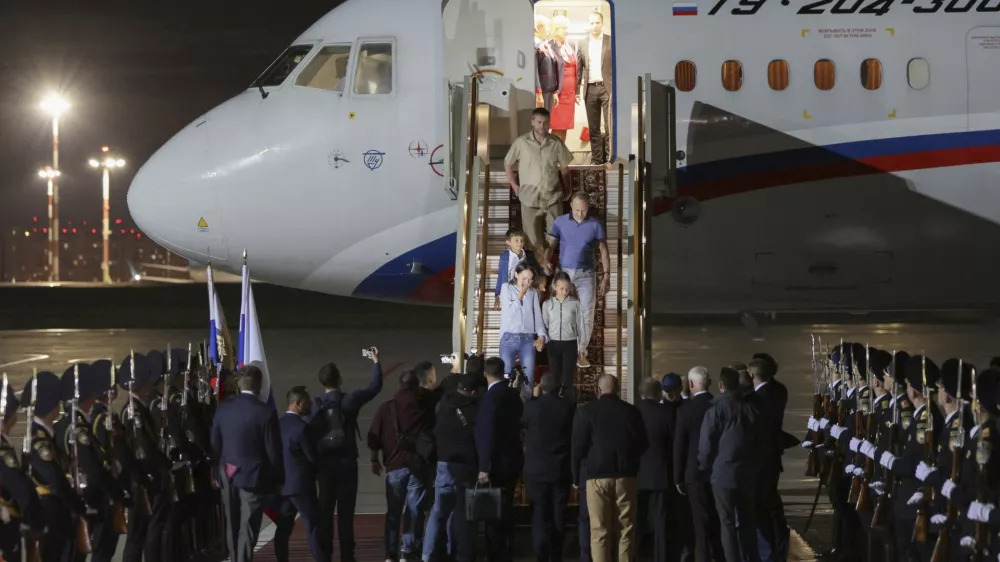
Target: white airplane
pixel 837 154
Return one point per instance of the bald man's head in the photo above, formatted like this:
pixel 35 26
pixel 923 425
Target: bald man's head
pixel 607 384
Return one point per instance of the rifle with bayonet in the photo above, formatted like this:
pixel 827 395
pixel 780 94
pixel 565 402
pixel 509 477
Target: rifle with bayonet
pixel 185 473
pixel 922 523
pixel 864 500
pixel 165 440
pixel 141 495
pixel 812 463
pixel 981 532
pixel 31 551
pixel 940 553
pixel 836 462
pixel 83 544
pixel 119 525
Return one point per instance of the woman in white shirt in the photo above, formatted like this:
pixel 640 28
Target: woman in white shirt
pixel 522 331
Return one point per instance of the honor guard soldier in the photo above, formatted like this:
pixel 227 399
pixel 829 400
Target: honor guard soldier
pixel 18 498
pixel 136 377
pixel 76 441
pixel 60 505
pixel 825 432
pixel 117 458
pixel 178 535
pixel 982 529
pixel 854 402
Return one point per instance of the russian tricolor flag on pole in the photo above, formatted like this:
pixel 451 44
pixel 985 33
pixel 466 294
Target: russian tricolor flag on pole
pixel 685 8
pixel 220 350
pixel 251 349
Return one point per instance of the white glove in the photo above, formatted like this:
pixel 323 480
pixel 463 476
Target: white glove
pixel 855 443
pixel 947 487
pixel 836 430
pixel 887 460
pixel 859 471
pixel 939 519
pixel 868 449
pixel 877 487
pixel 807 444
pixel 968 542
pixel 849 469
pixel 979 511
pixel 915 499
pixel 4 514
pixel 823 423
pixel 924 470
pixel 813 424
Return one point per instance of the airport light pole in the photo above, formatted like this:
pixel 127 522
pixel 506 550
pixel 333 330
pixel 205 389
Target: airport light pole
pixel 107 164
pixel 54 105
pixel 47 173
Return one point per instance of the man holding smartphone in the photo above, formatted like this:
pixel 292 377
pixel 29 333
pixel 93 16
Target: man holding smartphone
pixel 334 423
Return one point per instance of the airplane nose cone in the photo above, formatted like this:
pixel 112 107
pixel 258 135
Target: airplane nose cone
pixel 173 201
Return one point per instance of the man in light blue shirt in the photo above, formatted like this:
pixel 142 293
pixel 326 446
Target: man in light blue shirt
pixel 577 233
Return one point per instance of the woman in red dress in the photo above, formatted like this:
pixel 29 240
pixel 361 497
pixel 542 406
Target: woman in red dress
pixel 563 116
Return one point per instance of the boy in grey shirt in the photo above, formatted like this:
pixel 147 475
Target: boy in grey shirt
pixel 564 323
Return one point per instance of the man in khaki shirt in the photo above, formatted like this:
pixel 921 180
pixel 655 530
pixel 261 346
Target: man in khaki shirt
pixel 542 162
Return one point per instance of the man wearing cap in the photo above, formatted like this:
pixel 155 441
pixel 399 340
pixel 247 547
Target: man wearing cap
pixel 454 433
pixel 80 445
pixel 655 479
pixel 19 501
pixel 670 385
pixel 60 505
pixel 986 462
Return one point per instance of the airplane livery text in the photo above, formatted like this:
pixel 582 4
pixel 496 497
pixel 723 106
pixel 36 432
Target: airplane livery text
pixel 867 7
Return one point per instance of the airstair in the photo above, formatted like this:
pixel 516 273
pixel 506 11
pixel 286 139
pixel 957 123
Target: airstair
pixel 620 197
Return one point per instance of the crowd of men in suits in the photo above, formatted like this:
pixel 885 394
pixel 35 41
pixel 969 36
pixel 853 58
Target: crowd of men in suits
pixel 904 448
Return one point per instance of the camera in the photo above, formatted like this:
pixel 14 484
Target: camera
pixel 448 359
pixel 369 353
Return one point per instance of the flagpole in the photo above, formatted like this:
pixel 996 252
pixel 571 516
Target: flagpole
pixel 246 300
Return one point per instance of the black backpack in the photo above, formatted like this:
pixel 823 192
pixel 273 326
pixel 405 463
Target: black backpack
pixel 420 446
pixel 333 429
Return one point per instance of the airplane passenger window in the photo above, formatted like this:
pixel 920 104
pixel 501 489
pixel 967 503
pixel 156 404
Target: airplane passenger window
pixel 824 74
pixel 374 73
pixel 685 75
pixel 279 70
pixel 732 75
pixel 918 73
pixel 777 74
pixel 871 74
pixel 327 70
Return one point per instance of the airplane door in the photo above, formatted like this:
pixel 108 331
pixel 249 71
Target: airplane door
pixel 493 40
pixel 660 132
pixel 983 55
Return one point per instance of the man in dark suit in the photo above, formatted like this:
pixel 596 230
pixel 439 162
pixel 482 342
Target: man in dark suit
pixel 247 441
pixel 548 421
pixel 335 414
pixel 770 400
pixel 655 479
pixel 687 478
pixel 595 77
pixel 732 436
pixel 548 66
pixel 298 495
pixel 501 456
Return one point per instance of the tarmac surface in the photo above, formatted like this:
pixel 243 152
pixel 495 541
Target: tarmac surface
pixel 295 356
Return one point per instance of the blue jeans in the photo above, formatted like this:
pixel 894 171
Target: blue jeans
pixel 523 345
pixel 449 512
pixel 404 488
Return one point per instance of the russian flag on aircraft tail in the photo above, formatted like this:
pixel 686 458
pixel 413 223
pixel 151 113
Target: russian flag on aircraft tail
pixel 685 8
pixel 251 348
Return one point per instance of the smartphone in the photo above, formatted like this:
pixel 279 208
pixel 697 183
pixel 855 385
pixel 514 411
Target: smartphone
pixel 448 359
pixel 368 353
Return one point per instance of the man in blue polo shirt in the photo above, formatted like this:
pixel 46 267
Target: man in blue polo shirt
pixel 577 233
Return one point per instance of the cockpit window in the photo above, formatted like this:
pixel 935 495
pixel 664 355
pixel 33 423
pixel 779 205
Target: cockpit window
pixel 374 73
pixel 327 70
pixel 279 70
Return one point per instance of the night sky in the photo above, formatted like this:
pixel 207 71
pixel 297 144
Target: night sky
pixel 135 71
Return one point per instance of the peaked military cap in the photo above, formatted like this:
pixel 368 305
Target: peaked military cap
pixel 858 355
pixel 841 357
pixel 949 378
pixel 68 383
pixel 49 393
pixel 156 364
pixel 141 374
pixel 880 360
pixel 914 375
pixel 12 402
pixel 100 372
pixel 898 367
pixel 178 361
pixel 988 390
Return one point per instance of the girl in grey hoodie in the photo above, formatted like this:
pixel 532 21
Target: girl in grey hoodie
pixel 564 323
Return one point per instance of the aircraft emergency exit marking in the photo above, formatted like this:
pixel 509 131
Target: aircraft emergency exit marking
pixel 866 7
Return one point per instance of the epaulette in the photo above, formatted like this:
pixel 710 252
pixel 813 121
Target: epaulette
pixel 904 403
pixel 40 434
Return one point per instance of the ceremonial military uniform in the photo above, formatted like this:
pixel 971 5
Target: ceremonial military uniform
pixel 980 483
pixel 60 505
pixel 18 498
